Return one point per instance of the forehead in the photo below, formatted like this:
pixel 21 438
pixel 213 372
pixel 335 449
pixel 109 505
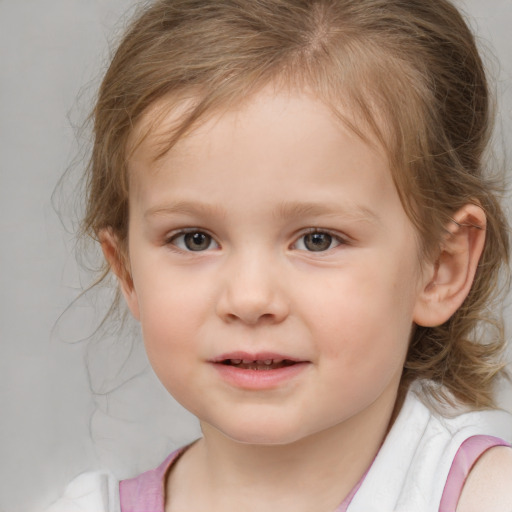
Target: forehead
pixel 172 122
pixel 273 148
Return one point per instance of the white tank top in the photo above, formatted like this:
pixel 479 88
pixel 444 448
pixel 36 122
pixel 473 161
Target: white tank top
pixel 408 474
pixel 411 469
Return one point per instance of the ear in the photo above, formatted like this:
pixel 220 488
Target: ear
pixel 119 264
pixel 449 279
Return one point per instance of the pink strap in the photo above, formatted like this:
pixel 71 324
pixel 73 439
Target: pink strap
pixel 146 492
pixel 342 507
pixel 465 458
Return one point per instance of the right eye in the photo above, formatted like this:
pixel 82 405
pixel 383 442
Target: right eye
pixel 317 240
pixel 194 241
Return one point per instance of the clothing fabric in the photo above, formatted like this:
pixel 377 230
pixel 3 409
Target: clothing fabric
pixel 413 469
pixel 96 491
pixel 421 467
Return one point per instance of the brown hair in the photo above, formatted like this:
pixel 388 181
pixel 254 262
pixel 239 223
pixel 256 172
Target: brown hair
pixel 411 72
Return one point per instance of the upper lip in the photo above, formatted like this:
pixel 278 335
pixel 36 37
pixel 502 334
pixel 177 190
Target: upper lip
pixel 257 356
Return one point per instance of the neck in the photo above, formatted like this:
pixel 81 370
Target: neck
pixel 314 473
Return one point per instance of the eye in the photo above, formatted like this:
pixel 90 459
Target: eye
pixel 195 241
pixel 317 241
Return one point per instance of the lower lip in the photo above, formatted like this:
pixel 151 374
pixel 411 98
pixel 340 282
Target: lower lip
pixel 259 379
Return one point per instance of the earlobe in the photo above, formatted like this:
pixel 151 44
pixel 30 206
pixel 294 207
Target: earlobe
pixel 119 265
pixel 452 274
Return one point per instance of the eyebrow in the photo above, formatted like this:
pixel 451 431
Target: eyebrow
pixel 287 210
pixel 187 208
pixel 284 211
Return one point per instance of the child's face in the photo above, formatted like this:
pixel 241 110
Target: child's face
pixel 273 233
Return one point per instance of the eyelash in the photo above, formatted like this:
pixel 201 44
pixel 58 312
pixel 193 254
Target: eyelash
pixel 181 246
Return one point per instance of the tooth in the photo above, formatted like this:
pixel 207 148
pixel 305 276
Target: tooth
pixel 260 362
pixel 268 362
pixel 277 361
pixel 247 361
pixel 236 361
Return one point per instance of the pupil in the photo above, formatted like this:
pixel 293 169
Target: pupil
pixel 197 241
pixel 317 241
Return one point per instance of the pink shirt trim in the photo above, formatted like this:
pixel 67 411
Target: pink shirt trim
pixel 465 458
pixel 342 507
pixel 146 492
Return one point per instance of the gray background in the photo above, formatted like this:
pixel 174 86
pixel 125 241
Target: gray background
pixel 52 426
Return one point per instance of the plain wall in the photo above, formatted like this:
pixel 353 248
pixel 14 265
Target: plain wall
pixel 52 426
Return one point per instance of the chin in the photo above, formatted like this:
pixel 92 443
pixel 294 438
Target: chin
pixel 270 434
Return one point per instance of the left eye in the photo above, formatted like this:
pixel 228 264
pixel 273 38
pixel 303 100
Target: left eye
pixel 194 241
pixel 317 241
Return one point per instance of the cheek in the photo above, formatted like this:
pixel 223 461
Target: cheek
pixel 157 306
pixel 174 309
pixel 169 348
pixel 363 311
pixel 168 319
pixel 170 297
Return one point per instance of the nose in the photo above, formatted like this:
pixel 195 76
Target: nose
pixel 252 292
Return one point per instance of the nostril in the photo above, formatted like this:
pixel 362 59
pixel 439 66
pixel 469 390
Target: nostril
pixel 252 307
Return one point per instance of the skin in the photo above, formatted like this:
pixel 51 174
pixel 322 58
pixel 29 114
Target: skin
pixel 488 484
pixel 251 186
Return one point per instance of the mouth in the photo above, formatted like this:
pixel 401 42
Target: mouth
pixel 258 364
pixel 259 371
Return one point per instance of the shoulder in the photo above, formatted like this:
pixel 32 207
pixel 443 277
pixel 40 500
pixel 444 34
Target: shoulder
pixel 89 492
pixel 489 484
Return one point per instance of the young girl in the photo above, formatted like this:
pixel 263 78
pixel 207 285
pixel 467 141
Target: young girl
pixel 292 196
